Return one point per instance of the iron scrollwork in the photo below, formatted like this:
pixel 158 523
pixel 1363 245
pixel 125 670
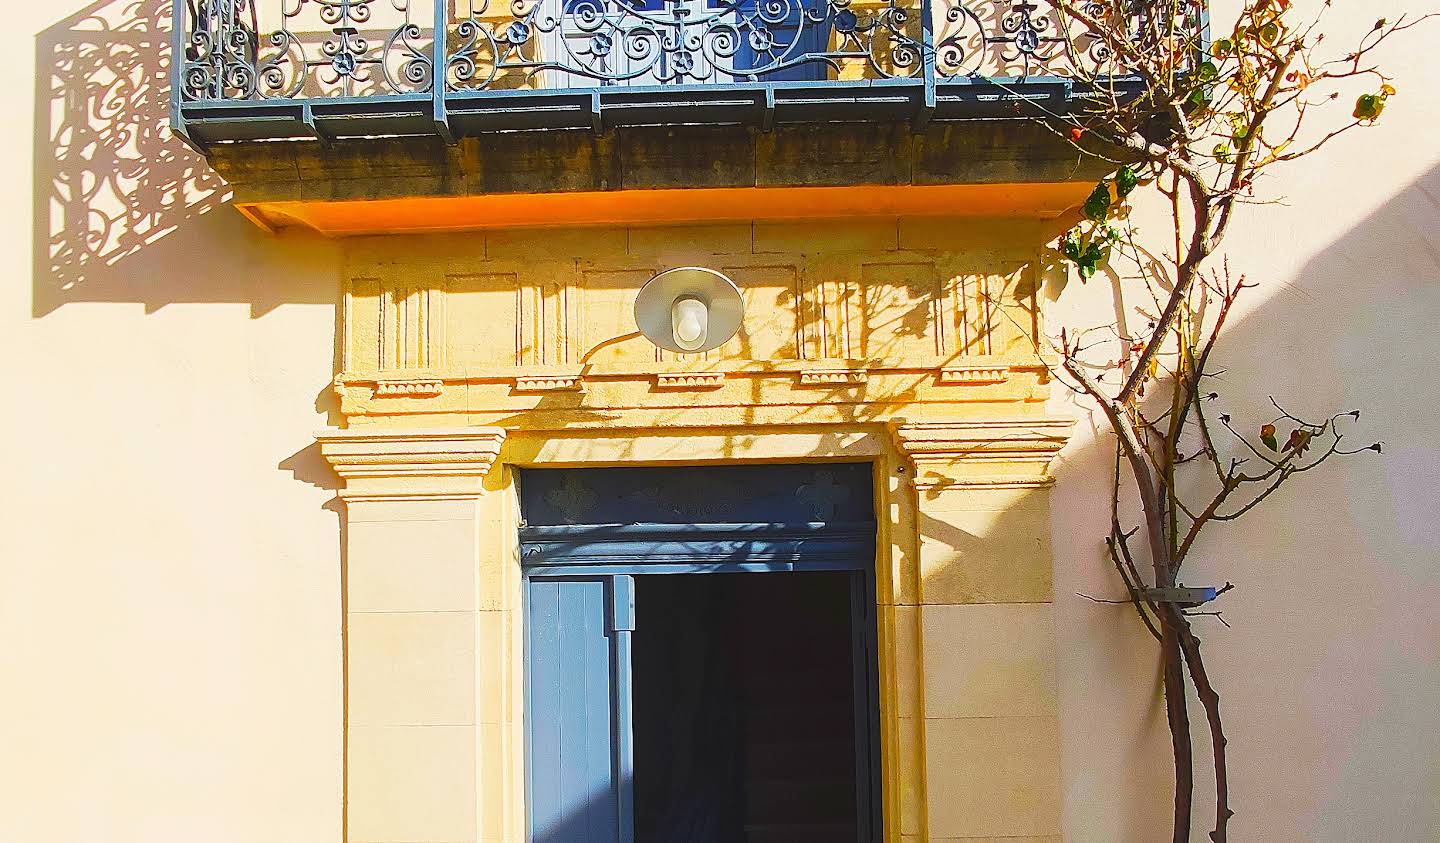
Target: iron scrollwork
pixel 577 43
pixel 317 48
pixel 266 49
pixel 1015 39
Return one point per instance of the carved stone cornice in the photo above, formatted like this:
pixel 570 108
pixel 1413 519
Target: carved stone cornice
pixel 982 452
pixel 383 464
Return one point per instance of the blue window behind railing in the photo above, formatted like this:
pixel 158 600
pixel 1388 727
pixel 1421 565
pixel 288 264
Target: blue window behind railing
pixel 237 55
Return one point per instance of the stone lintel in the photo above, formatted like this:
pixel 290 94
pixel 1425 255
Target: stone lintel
pixel 983 452
pixel 411 463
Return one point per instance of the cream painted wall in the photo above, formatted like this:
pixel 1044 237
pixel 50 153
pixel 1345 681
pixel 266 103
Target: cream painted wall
pixel 169 590
pixel 1330 675
pixel 170 583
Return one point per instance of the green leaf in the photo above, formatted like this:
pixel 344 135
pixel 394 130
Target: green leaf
pixel 1270 442
pixel 1221 48
pixel 1207 71
pixel 1198 99
pixel 1088 250
pixel 1125 181
pixel 1070 246
pixel 1369 106
pixel 1098 205
pixel 1221 153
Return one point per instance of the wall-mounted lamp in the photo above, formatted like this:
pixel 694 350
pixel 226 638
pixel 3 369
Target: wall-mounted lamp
pixel 689 309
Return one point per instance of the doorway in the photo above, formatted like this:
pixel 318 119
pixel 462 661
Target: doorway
pixel 744 702
pixel 701 681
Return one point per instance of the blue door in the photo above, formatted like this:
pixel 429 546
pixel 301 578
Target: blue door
pixel 578 655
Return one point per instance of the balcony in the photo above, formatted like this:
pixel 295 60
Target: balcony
pixel 331 69
pixel 424 115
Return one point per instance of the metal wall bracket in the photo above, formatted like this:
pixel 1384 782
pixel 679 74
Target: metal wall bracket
pixel 1180 594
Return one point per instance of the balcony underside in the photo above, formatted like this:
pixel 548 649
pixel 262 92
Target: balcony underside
pixel 658 207
pixel 657 175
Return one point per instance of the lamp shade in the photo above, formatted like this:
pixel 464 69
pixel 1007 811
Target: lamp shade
pixel 656 313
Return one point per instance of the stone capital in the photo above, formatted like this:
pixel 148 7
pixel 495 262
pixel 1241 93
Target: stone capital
pixel 396 464
pixel 982 452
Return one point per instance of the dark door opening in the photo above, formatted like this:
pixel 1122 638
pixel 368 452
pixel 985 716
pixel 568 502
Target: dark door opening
pixel 700 654
pixel 745 708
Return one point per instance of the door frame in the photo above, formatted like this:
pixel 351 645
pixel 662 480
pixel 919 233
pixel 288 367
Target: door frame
pixel 615 554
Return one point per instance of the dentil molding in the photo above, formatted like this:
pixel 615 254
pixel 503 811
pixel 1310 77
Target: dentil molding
pixel 408 387
pixel 973 374
pixel 689 380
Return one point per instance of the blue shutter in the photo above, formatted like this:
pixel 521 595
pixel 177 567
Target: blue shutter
pixel 807 36
pixel 578 653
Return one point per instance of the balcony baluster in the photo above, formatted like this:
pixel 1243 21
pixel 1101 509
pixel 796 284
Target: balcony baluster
pixel 260 69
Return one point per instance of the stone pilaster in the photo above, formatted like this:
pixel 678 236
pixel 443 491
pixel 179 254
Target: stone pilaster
pixel 987 679
pixel 428 620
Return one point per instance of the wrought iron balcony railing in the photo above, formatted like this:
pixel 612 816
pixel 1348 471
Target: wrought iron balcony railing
pixel 261 69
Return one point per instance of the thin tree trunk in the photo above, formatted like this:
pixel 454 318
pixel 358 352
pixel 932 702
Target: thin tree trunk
pixel 1178 718
pixel 1211 702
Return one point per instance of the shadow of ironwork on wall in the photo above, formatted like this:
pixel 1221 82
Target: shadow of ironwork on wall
pixel 110 179
pixel 122 208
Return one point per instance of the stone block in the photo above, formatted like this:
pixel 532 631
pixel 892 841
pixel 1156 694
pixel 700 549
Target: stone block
pixel 492 653
pixel 1007 839
pixel 686 156
pixel 825 236
pixel 997 152
pixel 360 511
pixel 817 155
pixel 561 244
pixel 542 162
pixel 907 658
pixel 410 565
pixel 985 557
pixel 936 501
pixel 771 327
pixel 993 777
pixel 911 782
pixel 493 771
pixel 415 784
pixel 411 668
pixel 989 660
pixel 674 242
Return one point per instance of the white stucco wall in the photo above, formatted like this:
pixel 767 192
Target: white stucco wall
pixel 1329 674
pixel 169 567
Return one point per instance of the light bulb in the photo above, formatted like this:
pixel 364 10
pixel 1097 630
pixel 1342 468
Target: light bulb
pixel 689 322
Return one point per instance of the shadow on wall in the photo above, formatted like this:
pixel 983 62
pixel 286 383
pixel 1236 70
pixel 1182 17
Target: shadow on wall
pixel 123 210
pixel 1361 657
pixel 1333 683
